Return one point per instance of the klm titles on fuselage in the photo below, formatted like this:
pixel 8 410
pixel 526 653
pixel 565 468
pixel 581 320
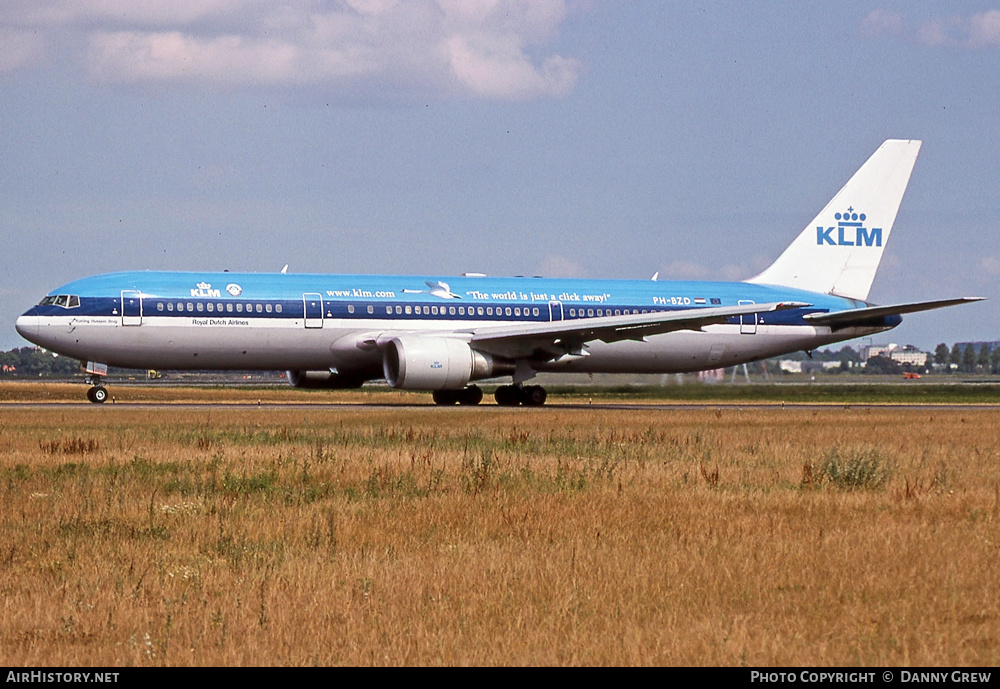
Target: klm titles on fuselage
pixel 850 231
pixel 204 289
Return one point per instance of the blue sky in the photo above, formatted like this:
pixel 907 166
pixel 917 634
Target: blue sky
pixel 569 138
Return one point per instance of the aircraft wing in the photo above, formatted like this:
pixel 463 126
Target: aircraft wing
pixel 554 339
pixel 843 319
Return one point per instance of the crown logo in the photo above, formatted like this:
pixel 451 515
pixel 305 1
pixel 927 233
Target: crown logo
pixel 850 216
pixel 204 285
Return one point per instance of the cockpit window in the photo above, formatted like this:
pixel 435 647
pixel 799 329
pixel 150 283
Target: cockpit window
pixel 67 301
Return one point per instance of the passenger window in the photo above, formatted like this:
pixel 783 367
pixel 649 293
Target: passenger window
pixel 190 306
pixel 260 308
pixel 267 307
pixel 350 308
pixel 451 310
pixel 371 309
pixel 210 305
pixel 200 306
pixel 434 310
pixel 277 307
pixel 170 306
pixel 229 307
pixel 159 306
pixel 399 310
pixel 239 307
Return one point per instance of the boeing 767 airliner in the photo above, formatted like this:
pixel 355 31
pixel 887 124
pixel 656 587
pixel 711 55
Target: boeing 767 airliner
pixel 440 334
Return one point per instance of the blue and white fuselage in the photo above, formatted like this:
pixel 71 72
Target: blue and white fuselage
pixel 439 334
pixel 171 320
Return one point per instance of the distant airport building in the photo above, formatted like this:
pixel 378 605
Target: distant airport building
pixel 907 354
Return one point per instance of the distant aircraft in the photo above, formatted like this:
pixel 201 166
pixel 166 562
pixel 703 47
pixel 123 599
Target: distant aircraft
pixel 440 334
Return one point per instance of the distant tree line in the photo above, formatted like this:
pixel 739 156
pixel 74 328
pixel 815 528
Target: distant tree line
pixel 968 359
pixel 32 362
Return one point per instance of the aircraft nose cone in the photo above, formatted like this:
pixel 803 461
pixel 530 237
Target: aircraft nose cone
pixel 27 327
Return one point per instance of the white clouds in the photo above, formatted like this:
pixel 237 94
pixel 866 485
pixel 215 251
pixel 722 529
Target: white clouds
pixel 976 31
pixel 882 23
pixel 496 68
pixel 984 29
pixel 990 265
pixel 554 266
pixel 491 49
pixel 20 49
pixel 688 270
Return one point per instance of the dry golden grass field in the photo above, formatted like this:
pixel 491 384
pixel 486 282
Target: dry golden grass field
pixel 134 535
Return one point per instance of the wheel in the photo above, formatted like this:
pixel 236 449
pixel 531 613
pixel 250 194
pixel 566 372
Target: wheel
pixel 90 394
pixel 98 394
pixel 507 396
pixel 470 396
pixel 445 397
pixel 534 396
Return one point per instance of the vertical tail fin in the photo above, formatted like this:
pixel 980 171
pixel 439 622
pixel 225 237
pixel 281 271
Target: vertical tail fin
pixel 839 252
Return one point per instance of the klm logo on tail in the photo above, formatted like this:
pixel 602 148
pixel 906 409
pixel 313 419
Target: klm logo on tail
pixel 850 231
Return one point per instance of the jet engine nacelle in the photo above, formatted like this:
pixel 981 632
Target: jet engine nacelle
pixel 437 363
pixel 322 379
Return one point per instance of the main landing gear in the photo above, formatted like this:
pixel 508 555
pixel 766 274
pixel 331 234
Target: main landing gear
pixel 505 395
pixel 514 395
pixel 471 395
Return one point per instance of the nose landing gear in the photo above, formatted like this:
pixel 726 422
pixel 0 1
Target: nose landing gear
pixel 97 394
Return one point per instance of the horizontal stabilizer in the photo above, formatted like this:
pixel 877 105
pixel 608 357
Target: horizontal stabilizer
pixel 853 316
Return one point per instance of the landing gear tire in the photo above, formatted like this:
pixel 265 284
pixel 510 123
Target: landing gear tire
pixel 445 397
pixel 97 394
pixel 533 396
pixel 507 396
pixel 514 395
pixel 469 396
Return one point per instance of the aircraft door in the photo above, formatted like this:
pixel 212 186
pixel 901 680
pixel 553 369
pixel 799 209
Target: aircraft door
pixel 313 309
pixel 131 307
pixel 748 321
pixel 555 311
